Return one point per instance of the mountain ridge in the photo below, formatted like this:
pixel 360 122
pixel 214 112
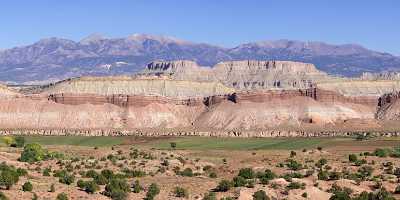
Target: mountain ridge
pixel 57 58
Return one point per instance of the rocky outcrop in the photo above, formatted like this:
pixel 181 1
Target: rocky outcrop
pixel 380 76
pixel 6 92
pixel 248 74
pixel 132 86
pixel 389 106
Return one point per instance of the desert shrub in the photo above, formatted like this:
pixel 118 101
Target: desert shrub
pixel 152 191
pixel 210 196
pixel 19 141
pixel 27 187
pixel 67 179
pixel 117 189
pixel 21 172
pixel 352 157
pixel 134 173
pixel 7 140
pixel 246 173
pixel 335 175
pixel 91 187
pixel 91 174
pixel 3 196
pixel 100 180
pixel 46 172
pixel 266 176
pixel 382 152
pixel 62 196
pixel 295 185
pixel 293 165
pixel 213 175
pixel 8 176
pixel 323 175
pixel 35 196
pixel 365 171
pixel 292 154
pixel 223 186
pixel 239 181
pixel 181 192
pixel 360 162
pixel 173 145
pixel 304 195
pixel 186 172
pixel 260 195
pixel 32 153
pixel 321 162
pixel 108 174
pixel 136 187
pixel 81 183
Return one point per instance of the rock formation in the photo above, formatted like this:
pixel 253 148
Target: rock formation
pixel 238 98
pixel 244 75
pixel 131 86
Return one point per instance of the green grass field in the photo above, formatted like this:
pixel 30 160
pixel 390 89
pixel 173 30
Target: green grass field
pixel 211 143
pixel 74 140
pixel 203 143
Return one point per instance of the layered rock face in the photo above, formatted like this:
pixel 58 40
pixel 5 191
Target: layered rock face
pixel 6 92
pixel 131 86
pixel 389 106
pixel 251 96
pixel 249 74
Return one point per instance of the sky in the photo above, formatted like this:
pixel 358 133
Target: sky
pixel 371 23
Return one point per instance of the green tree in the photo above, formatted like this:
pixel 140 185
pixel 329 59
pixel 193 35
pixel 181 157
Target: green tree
pixel 260 195
pixel 239 181
pixel 152 192
pixel 62 196
pixel 19 141
pixel 27 187
pixel 352 158
pixel 136 187
pixel 173 145
pixel 246 173
pixel 117 189
pixel 91 187
pixel 67 179
pixel 32 153
pixel 8 178
pixel 181 192
pixel 223 186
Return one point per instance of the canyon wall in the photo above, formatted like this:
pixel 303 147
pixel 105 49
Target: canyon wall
pixel 243 75
pixel 238 97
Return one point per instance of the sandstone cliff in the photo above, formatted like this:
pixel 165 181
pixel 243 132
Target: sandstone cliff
pixel 6 92
pixel 249 74
pixel 389 107
pixel 132 86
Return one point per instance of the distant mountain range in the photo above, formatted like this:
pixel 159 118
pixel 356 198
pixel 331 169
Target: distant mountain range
pixel 54 58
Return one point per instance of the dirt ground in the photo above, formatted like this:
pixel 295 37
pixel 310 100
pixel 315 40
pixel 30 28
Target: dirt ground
pixel 224 163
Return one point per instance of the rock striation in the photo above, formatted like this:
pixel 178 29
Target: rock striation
pixel 389 107
pixel 243 75
pixel 131 86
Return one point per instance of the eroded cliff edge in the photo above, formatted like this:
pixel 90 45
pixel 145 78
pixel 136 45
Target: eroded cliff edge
pixel 246 98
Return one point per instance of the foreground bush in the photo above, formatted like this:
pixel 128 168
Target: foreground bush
pixel 260 195
pixel 117 189
pixel 27 187
pixel 62 196
pixel 32 153
pixel 181 192
pixel 152 192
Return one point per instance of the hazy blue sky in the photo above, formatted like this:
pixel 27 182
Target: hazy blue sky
pixel 371 23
